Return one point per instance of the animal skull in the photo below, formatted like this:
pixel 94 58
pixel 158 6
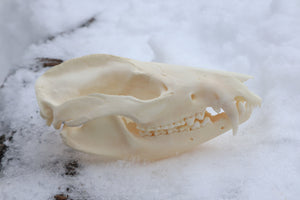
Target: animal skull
pixel 124 108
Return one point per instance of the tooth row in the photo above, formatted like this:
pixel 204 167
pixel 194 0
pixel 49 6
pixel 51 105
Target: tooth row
pixel 188 120
pixel 187 124
pixel 191 123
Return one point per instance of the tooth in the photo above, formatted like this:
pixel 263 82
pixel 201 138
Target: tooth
pixel 172 130
pixel 190 120
pixel 180 123
pixel 140 128
pixel 206 121
pixel 200 115
pixel 242 107
pixel 165 127
pixel 159 132
pixel 231 111
pixel 182 129
pixel 196 125
pixel 151 129
pixel 146 133
pixel 217 109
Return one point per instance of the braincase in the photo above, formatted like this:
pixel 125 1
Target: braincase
pixel 98 74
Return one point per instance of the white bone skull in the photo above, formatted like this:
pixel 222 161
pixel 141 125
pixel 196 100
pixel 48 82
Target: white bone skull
pixel 123 108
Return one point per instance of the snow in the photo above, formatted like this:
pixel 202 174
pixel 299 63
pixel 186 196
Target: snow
pixel 260 38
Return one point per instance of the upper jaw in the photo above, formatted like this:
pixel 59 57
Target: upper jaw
pixel 194 121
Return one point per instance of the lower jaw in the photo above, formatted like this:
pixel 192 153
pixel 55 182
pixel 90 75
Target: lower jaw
pixel 131 126
pixel 132 146
pixel 164 146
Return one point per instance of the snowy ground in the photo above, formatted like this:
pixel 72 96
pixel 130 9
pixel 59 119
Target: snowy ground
pixel 260 38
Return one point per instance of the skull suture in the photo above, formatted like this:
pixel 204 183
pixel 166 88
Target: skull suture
pixel 124 108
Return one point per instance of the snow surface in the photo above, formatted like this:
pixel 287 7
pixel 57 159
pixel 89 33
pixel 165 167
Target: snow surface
pixel 260 38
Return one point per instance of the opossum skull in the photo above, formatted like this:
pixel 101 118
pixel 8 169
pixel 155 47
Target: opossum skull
pixel 125 108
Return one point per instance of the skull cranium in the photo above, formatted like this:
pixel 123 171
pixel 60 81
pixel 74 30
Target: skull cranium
pixel 124 108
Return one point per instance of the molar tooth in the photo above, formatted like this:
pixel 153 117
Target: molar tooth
pixel 217 109
pixel 165 127
pixel 200 115
pixel 206 121
pixel 140 128
pixel 158 132
pixel 171 131
pixel 190 120
pixel 141 133
pixel 151 129
pixel 180 123
pixel 182 129
pixel 171 126
pixel 196 125
pixel 146 133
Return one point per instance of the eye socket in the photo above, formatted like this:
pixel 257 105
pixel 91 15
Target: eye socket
pixel 143 87
pixel 125 83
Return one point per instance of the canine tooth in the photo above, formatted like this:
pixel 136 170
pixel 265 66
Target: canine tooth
pixel 231 111
pixel 206 121
pixel 196 125
pixel 242 107
pixel 190 120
